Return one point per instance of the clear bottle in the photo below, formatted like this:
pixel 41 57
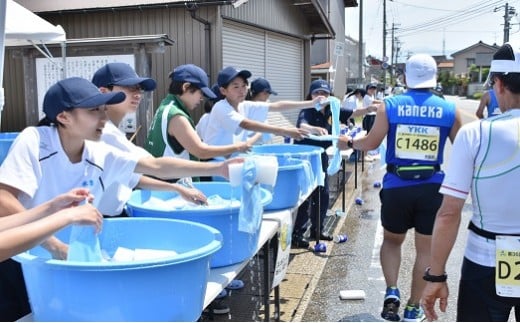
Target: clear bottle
pixel 340 238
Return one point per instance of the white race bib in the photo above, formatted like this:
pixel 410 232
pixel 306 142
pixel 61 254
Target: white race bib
pixel 417 142
pixel 507 277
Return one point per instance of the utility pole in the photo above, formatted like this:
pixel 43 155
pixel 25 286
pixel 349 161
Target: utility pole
pixel 384 44
pixel 508 13
pixel 392 61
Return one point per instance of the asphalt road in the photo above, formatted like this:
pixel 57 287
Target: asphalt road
pixel 355 264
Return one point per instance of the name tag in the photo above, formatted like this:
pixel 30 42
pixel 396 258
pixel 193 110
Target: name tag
pixel 507 277
pixel 417 142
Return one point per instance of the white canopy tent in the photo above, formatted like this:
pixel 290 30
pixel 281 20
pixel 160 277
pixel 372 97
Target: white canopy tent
pixel 18 27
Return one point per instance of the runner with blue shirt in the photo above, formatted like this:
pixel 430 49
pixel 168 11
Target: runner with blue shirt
pixel 417 125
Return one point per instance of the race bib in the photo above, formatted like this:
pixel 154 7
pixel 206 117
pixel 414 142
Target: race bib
pixel 507 276
pixel 417 142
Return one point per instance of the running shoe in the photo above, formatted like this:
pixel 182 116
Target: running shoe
pixel 391 305
pixel 413 314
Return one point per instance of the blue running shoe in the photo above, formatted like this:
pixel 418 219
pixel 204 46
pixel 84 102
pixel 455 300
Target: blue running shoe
pixel 391 305
pixel 413 314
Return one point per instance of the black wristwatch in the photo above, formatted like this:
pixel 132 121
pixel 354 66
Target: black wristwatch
pixel 433 278
pixel 350 143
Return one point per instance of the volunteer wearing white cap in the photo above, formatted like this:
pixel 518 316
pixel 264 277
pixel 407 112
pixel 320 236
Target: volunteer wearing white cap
pixel 417 125
pixel 484 162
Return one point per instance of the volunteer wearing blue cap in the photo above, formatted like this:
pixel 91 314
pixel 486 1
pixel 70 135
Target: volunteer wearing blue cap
pixel 226 122
pixel 484 164
pixel 417 125
pixel 256 107
pixel 172 132
pixel 121 77
pixel 318 122
pixel 115 77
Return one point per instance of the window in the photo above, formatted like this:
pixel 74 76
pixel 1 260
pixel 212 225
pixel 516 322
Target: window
pixel 470 61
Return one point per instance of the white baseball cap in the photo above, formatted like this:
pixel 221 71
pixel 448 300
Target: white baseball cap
pixel 421 72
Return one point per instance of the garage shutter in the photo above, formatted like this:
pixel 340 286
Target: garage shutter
pixel 278 58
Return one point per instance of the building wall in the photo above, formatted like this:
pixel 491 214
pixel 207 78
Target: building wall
pixel 194 42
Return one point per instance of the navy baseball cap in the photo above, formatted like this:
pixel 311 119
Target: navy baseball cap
pixel 121 74
pixel 261 85
pixel 319 85
pixel 371 86
pixel 229 73
pixel 195 75
pixel 76 92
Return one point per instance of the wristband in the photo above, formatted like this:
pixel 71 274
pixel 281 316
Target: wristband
pixel 433 278
pixel 350 143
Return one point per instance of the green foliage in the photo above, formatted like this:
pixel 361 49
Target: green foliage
pixel 477 95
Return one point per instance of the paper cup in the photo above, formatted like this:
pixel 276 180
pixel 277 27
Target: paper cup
pixel 235 174
pixel 266 169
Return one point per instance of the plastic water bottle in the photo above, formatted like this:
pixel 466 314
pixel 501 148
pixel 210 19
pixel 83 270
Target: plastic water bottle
pixel 359 201
pixel 340 238
pixel 320 247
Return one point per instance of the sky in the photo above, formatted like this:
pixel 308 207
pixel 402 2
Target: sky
pixel 439 27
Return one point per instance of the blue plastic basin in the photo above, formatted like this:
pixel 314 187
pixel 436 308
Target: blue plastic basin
pixel 237 246
pixel 165 289
pixel 289 185
pixel 309 153
pixel 6 140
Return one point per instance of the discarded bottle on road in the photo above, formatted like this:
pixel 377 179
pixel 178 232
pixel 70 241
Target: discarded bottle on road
pixel 359 201
pixel 320 247
pixel 340 238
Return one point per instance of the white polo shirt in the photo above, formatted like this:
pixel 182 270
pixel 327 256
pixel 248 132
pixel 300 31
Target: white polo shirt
pixel 38 166
pixel 223 124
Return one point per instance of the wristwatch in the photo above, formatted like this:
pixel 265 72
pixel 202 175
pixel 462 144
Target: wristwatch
pixel 350 143
pixel 434 279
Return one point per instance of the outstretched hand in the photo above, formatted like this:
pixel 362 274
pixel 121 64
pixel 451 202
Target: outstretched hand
pixel 297 133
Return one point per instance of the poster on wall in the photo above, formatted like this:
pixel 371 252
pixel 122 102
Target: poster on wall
pixel 48 72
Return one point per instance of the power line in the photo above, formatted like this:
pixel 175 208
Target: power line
pixel 456 18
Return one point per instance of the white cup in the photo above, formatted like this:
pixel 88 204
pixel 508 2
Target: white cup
pixel 266 169
pixel 235 174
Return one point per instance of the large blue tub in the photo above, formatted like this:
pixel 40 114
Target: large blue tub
pixel 237 246
pixel 307 153
pixel 165 289
pixel 290 182
pixel 6 140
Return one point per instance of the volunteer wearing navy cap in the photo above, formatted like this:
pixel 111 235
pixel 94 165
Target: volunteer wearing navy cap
pixel 484 163
pixel 257 106
pixel 416 125
pixel 317 122
pixel 64 152
pixel 115 77
pixel 121 77
pixel 261 85
pixel 172 132
pixel 226 123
